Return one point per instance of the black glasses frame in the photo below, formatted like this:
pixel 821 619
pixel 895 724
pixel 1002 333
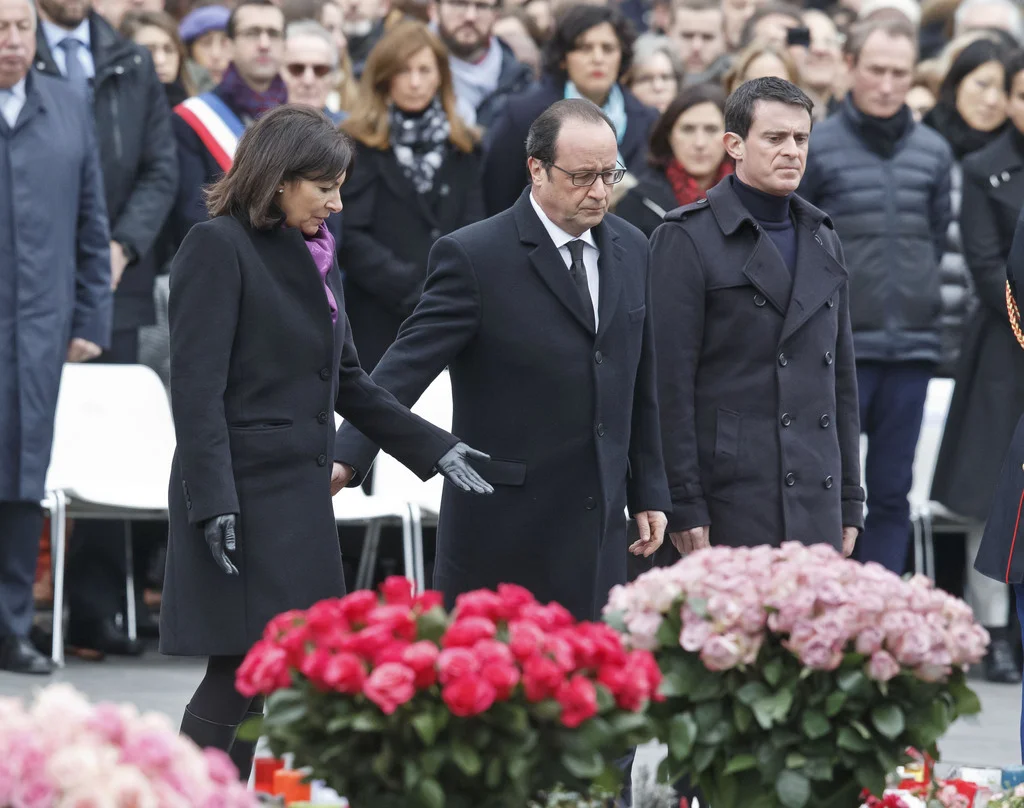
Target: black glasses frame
pixel 584 179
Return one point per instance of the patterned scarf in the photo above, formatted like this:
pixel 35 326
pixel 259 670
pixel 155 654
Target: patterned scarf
pixel 244 100
pixel 685 187
pixel 321 248
pixel 419 142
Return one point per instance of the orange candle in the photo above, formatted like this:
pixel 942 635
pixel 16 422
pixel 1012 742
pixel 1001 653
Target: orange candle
pixel 288 784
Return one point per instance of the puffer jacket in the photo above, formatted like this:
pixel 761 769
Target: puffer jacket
pixel 892 214
pixel 958 300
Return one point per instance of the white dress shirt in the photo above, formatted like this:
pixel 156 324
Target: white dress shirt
pixel 11 102
pixel 55 35
pixel 590 252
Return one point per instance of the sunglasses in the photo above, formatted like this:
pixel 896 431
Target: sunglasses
pixel 297 69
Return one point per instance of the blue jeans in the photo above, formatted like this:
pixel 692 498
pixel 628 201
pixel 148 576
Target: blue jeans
pixel 892 398
pixel 1018 591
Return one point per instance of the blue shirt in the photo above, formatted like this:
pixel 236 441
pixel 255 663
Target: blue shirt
pixel 55 35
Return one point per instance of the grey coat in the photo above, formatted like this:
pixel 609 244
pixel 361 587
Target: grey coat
pixel 757 386
pixel 54 270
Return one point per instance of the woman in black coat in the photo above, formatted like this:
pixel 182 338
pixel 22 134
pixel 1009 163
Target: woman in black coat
pixel 261 359
pixel 587 56
pixel 989 394
pixel 416 177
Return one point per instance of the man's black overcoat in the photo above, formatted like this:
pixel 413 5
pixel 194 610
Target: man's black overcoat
pixel 570 419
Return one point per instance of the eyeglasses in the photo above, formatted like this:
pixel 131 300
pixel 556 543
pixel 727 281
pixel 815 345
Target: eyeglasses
pixel 298 70
pixel 466 5
pixel 656 78
pixel 584 178
pixel 273 34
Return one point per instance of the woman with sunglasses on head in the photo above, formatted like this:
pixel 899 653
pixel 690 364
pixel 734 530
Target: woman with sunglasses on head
pixel 415 178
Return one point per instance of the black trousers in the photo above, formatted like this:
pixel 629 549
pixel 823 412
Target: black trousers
pixel 20 526
pixel 96 567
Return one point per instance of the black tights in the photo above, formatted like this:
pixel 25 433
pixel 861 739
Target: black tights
pixel 216 709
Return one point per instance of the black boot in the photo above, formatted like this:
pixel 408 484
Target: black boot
pixel 242 751
pixel 207 733
pixel 1000 665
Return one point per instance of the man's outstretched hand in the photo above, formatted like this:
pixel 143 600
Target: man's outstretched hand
pixel 454 467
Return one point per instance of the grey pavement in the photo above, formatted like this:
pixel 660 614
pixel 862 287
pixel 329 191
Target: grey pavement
pixel 165 684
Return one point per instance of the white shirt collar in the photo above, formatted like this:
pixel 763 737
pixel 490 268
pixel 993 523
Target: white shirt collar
pixel 558 235
pixel 55 34
pixel 18 91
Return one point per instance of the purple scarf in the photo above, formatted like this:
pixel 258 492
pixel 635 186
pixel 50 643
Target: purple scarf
pixel 244 100
pixel 321 247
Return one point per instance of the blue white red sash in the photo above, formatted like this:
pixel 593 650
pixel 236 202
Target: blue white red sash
pixel 217 126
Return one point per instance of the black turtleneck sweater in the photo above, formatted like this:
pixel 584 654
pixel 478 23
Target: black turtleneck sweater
pixel 773 214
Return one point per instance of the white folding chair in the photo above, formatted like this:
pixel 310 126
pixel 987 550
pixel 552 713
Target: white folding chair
pixel 112 448
pixel 353 507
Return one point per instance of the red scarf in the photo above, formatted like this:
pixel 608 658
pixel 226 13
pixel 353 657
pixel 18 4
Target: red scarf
pixel 685 187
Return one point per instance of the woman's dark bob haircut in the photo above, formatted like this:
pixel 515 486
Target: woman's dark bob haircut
pixel 659 154
pixel 292 142
pixel 573 24
pixel 978 53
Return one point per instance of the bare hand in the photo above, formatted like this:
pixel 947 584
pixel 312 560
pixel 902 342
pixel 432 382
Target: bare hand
pixel 118 263
pixel 81 350
pixel 688 541
pixel 341 476
pixel 849 540
pixel 652 526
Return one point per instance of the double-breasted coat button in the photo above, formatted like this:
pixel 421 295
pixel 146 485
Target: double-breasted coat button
pixel 322 460
pixel 759 300
pixel 827 482
pixel 1005 176
pixel 325 374
pixel 830 302
pixel 590 503
pixel 786 419
pixel 824 421
pixel 599 357
pixel 435 234
pixel 994 181
pixel 828 357
pixel 791 479
pixel 600 430
pixel 322 418
pixel 782 360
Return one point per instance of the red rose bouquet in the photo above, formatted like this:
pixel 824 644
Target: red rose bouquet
pixel 393 702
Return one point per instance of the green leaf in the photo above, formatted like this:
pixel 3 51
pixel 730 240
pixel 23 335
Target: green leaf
pixel 429 794
pixel 250 729
pixel 967 701
pixel 668 634
pixel 834 703
pixel 818 768
pixel 740 763
pixel 794 760
pixel 772 672
pixel 675 683
pixel 741 717
pixel 752 692
pixel 863 731
pixel 466 758
pixel 888 719
pixel 703 756
pixel 425 728
pixel 850 680
pixel 871 777
pixel 708 715
pixel 699 606
pixel 814 724
pixel 432 625
pixel 793 789
pixel 368 721
pixel 682 732
pixel 852 741
pixel 492 777
pixel 583 765
pixel 605 699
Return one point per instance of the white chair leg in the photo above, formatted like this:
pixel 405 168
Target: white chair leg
pixel 916 523
pixel 58 548
pixel 408 548
pixel 929 546
pixel 417 537
pixel 368 558
pixel 129 582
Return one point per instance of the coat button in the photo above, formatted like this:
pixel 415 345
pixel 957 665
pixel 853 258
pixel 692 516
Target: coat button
pixel 600 430
pixel 590 503
pixel 786 419
pixel 599 357
pixel 783 361
pixel 322 418
pixel 791 479
pixel 759 300
pixel 828 357
pixel 827 482
pixel 325 374
pixel 824 421
pixel 830 302
pixel 322 460
pixel 435 234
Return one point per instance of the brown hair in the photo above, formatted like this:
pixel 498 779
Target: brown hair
pixel 134 20
pixel 660 154
pixel 742 61
pixel 292 142
pixel 369 120
pixel 894 28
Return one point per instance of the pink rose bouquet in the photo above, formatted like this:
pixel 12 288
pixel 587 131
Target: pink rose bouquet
pixel 62 752
pixel 794 677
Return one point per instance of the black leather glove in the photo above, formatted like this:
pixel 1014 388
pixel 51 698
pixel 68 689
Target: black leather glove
pixel 220 532
pixel 454 467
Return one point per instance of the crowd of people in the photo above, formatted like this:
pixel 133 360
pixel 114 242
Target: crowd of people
pixel 136 108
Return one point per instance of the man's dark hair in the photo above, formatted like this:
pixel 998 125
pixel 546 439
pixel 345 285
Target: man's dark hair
pixel 542 139
pixel 292 142
pixel 232 18
pixel 893 27
pixel 770 10
pixel 739 108
pixel 573 24
pixel 659 154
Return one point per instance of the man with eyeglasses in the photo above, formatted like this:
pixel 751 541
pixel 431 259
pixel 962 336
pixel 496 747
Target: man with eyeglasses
pixel 310 62
pixel 484 70
pixel 542 315
pixel 207 127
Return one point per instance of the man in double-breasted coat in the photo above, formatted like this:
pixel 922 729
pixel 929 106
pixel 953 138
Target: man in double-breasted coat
pixel 757 384
pixel 542 314
pixel 55 298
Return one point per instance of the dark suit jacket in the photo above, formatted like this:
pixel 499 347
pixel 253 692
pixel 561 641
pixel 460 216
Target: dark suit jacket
pixel 505 173
pixel 389 229
pixel 756 375
pixel 257 373
pixel 570 419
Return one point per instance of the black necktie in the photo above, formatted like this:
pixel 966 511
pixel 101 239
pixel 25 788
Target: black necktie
pixel 578 271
